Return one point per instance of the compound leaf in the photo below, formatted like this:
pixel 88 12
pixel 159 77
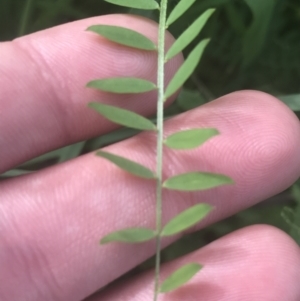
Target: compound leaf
pixel 123 117
pixel 179 10
pixel 190 138
pixel 129 235
pixel 195 181
pixel 122 85
pixel 180 277
pixel 189 34
pixel 186 69
pixel 123 36
pixel 138 4
pixel 186 219
pixel 128 165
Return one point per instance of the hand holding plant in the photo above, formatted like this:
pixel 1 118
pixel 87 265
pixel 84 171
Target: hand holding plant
pixel 51 221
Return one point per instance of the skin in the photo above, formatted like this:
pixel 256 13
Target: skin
pixel 51 221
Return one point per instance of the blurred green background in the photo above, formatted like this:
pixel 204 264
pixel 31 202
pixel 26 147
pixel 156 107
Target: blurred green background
pixel 255 45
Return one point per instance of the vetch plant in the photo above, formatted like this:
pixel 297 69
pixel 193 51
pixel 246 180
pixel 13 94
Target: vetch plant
pixel 183 140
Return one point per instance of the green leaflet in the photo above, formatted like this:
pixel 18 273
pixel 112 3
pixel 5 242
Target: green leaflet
pixel 186 219
pixel 139 4
pixel 186 69
pixel 123 117
pixel 128 165
pixel 122 85
pixel 190 138
pixel 189 34
pixel 195 181
pixel 180 277
pixel 179 10
pixel 123 36
pixel 129 235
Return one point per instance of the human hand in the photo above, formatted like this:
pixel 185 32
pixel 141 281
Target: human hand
pixel 51 221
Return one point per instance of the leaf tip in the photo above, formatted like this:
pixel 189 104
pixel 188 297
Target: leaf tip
pixel 91 28
pixel 206 41
pixel 89 84
pixel 210 11
pixel 103 241
pixel 91 105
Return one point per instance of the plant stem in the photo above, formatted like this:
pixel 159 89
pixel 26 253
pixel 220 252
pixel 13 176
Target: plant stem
pixel 160 127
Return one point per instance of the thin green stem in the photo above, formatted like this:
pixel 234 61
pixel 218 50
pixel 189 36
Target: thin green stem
pixel 160 127
pixel 25 17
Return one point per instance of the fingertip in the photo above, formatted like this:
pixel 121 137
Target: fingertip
pixel 271 132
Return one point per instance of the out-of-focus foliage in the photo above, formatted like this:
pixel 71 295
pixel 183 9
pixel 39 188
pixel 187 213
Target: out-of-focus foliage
pixel 255 45
pixel 291 214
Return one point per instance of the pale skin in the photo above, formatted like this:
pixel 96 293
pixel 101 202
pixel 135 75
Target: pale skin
pixel 51 221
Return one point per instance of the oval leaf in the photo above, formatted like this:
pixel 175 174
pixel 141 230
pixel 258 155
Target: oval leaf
pixel 123 117
pixel 130 235
pixel 180 277
pixel 186 69
pixel 123 36
pixel 186 219
pixel 190 138
pixel 122 85
pixel 189 34
pixel 128 165
pixel 179 10
pixel 195 181
pixel 139 4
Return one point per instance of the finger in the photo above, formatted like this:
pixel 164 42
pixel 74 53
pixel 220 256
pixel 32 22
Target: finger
pixel 42 85
pixel 255 263
pixel 68 208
